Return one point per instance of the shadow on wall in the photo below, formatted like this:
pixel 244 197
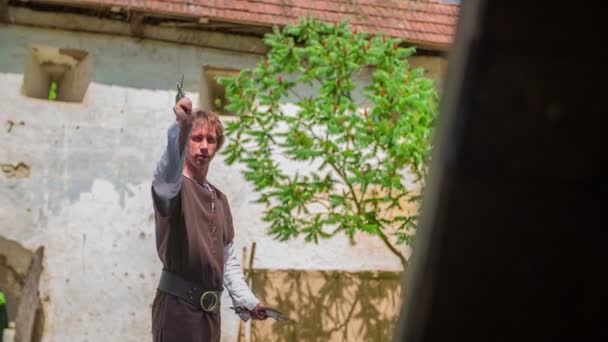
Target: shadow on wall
pixel 328 305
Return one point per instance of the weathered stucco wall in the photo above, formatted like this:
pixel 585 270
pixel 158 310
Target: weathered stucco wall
pixel 86 192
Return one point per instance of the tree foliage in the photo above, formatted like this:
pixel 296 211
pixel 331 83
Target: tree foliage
pixel 365 145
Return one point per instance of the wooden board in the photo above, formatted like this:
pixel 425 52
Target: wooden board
pixel 28 305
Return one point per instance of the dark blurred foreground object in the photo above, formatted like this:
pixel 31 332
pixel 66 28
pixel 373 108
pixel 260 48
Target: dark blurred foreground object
pixel 510 242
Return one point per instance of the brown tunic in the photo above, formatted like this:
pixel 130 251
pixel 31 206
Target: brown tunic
pixel 186 247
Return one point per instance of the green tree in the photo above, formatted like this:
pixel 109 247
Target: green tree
pixel 367 156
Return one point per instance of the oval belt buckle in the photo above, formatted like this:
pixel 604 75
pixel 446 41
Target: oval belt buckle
pixel 213 305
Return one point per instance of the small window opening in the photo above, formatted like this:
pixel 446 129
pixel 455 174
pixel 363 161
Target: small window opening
pixel 212 93
pixel 434 67
pixel 57 74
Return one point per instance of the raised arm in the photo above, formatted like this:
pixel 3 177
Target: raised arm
pixel 168 174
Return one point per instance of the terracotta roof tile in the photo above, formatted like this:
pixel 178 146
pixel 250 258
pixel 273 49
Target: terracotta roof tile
pixel 419 22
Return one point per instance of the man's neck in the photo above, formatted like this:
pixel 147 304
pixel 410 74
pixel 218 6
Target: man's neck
pixel 199 174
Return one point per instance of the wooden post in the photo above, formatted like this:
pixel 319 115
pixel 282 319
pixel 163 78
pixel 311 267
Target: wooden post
pixel 248 272
pixel 249 281
pixel 249 278
pixel 28 305
pixel 241 335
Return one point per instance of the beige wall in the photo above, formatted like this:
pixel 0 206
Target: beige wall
pixel 328 305
pixel 435 67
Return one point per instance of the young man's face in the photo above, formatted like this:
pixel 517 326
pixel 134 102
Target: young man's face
pixel 202 145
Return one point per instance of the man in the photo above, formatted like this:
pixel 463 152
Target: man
pixel 194 235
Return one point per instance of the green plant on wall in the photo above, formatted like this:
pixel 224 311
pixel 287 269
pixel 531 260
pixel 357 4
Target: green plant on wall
pixel 365 159
pixel 53 91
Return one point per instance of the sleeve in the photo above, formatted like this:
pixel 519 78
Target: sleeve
pixel 168 174
pixel 234 282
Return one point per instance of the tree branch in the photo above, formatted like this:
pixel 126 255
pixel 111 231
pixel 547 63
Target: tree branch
pixel 359 209
pixel 335 167
pixel 392 248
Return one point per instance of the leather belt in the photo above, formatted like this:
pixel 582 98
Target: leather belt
pixel 206 300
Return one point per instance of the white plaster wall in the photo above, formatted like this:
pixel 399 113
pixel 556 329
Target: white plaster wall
pixel 87 198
